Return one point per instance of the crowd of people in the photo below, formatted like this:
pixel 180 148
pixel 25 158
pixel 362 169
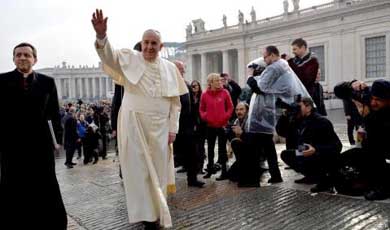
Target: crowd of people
pixel 162 122
pixel 87 130
pixel 285 97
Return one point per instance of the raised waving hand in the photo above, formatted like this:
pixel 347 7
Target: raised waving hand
pixel 99 24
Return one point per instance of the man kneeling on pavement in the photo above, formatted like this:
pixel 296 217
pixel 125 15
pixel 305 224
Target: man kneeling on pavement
pixel 313 147
pixel 246 169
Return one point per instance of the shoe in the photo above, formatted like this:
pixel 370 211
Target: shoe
pixel 182 170
pixel 248 185
pixel 196 183
pixel 322 187
pixel 223 176
pixel 217 167
pixel 306 180
pixel 207 176
pixel 150 225
pixel 95 161
pixel 202 172
pixel 275 180
pixel 377 194
pixel 69 166
pixel 72 163
pixel 263 170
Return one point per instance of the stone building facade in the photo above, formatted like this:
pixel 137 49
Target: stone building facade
pixel 351 39
pixel 86 83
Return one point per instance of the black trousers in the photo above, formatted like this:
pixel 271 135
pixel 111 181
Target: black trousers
pixel 190 156
pixel 264 144
pixel 104 147
pixel 351 125
pixel 249 153
pixel 69 154
pixel 179 149
pixel 308 166
pixel 212 135
pixel 79 146
pixel 246 169
pixel 324 169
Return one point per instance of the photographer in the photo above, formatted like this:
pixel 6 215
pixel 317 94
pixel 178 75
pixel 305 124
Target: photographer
pixel 313 146
pixel 244 169
pixel 276 81
pixel 373 104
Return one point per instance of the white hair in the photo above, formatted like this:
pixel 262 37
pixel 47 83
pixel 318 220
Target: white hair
pixel 156 32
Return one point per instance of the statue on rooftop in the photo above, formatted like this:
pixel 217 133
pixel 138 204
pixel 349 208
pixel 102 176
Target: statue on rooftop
pixel 253 15
pixel 189 29
pixel 296 5
pixel 224 21
pixel 240 17
pixel 285 6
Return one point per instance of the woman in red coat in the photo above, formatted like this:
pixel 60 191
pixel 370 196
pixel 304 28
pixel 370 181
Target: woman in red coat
pixel 215 109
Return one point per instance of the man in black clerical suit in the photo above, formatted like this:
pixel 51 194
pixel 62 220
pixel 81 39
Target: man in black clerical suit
pixel 30 196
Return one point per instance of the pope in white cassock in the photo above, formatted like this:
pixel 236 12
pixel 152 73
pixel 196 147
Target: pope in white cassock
pixel 147 121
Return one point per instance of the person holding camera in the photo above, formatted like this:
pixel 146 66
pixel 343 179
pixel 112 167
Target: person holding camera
pixel 313 146
pixel 278 80
pixel 235 133
pixel 373 103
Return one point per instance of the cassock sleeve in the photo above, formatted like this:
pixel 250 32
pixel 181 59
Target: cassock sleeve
pixel 53 111
pixel 174 114
pixel 110 60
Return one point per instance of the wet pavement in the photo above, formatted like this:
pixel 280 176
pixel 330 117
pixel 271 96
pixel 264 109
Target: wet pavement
pixel 94 199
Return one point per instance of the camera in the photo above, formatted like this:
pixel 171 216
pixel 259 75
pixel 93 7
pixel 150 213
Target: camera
pixel 363 96
pixel 258 65
pixel 301 149
pixel 345 91
pixel 293 109
pixel 257 69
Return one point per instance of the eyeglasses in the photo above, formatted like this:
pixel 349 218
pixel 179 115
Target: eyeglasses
pixel 265 56
pixel 194 86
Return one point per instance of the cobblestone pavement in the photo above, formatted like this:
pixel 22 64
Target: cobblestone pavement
pixel 94 199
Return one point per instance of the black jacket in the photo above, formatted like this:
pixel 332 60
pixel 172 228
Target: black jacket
pixel 28 177
pixel 116 105
pixel 377 125
pixel 187 113
pixel 234 91
pixel 314 130
pixel 70 135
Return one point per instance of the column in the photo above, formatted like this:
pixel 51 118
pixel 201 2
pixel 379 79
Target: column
pixel 69 87
pixel 100 87
pixel 241 61
pixel 87 94
pixel 93 88
pixel 80 87
pixel 225 61
pixel 188 74
pixel 59 88
pixel 73 87
pixel 107 88
pixel 203 62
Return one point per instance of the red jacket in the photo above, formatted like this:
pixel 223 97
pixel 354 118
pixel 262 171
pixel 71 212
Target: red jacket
pixel 216 107
pixel 306 69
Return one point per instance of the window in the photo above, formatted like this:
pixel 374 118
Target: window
pixel 319 52
pixel 376 57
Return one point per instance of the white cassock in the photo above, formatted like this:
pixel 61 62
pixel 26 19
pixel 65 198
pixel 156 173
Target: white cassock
pixel 149 110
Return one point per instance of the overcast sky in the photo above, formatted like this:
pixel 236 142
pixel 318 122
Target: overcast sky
pixel 61 30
